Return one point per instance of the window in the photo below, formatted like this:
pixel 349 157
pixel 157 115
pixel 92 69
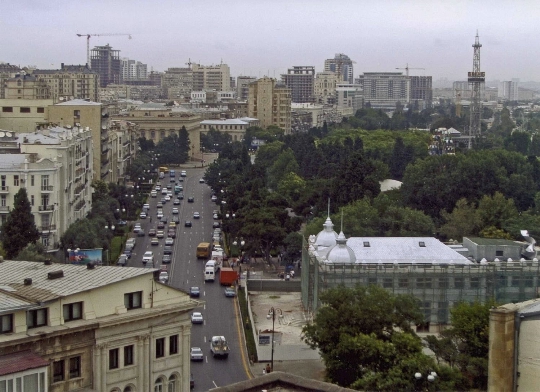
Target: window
pixel 133 300
pixel 6 323
pixel 403 283
pixel 72 311
pixel 173 344
pixel 499 253
pixel 16 180
pixel 160 348
pixel 443 283
pixel 113 359
pixel 458 283
pixel 158 385
pixel 7 109
pixel 528 281
pixel 41 110
pixel 74 367
pixel 128 355
pixel 423 283
pixel 77 113
pixel 24 110
pixel 372 281
pixel 32 180
pixel 366 244
pixel 32 200
pixel 475 283
pixel 58 371
pixel 36 318
pixel 388 283
pixel 502 281
pixel 516 280
pixel 422 244
pixel 173 383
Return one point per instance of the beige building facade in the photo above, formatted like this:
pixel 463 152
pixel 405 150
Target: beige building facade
pixel 211 77
pixel 325 87
pixel 270 103
pixel 23 115
pixel 70 82
pixel 24 86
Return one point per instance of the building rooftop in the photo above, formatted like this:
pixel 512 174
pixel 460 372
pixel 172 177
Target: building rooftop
pixel 493 241
pixel 12 161
pixel 19 362
pixel 78 102
pixel 228 121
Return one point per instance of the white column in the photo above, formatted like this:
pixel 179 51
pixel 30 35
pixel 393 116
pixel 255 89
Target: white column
pixel 140 362
pixel 147 364
pixel 104 357
pixel 96 379
pixel 186 363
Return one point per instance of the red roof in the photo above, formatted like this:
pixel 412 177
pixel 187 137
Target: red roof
pixel 18 362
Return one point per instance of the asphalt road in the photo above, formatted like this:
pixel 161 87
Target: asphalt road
pixel 220 313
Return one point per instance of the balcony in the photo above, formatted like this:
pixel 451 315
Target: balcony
pixel 47 228
pixel 4 209
pixel 47 188
pixel 80 205
pixel 4 189
pixel 49 207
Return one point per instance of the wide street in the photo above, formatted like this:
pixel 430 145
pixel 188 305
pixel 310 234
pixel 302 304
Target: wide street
pixel 220 313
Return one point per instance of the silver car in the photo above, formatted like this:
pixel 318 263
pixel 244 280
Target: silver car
pixel 196 354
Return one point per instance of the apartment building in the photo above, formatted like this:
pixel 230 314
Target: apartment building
pixel 106 62
pixel 383 90
pixel 300 79
pixel 124 147
pixel 270 102
pixel 178 82
pixel 23 115
pixel 342 65
pixel 7 71
pixel 509 90
pixel 242 87
pixel 24 86
pixel 70 82
pixel 68 327
pixel 133 70
pixel 211 77
pixel 421 91
pixel 349 98
pixel 324 89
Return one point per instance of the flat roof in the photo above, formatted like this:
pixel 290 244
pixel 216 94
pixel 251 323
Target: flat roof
pixel 228 121
pixel 493 241
pixel 78 102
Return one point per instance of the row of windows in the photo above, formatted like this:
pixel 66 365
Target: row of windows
pixel 34 382
pixel 17 179
pixel 458 282
pixel 128 352
pixel 219 126
pixel 9 109
pixel 73 311
pixel 67 369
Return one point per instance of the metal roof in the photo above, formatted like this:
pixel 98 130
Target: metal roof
pixel 228 121
pixel 20 361
pixel 9 300
pixel 78 102
pixel 76 279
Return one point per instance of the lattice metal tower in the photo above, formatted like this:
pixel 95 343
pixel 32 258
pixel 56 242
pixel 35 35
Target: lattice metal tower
pixel 476 79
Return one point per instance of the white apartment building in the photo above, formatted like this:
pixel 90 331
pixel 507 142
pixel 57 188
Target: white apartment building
pixel 509 90
pixel 211 77
pixel 133 69
pixel 242 86
pixel 349 97
pixel 55 166
pixel 92 328
pixel 383 90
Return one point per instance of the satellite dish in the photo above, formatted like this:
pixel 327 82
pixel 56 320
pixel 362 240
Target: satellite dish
pixel 8 134
pixel 61 98
pixel 2 134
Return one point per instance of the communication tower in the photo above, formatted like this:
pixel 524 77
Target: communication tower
pixel 476 79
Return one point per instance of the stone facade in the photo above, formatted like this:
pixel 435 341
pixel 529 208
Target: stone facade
pixel 270 103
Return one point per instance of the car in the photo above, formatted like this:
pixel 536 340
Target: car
pixel 132 241
pixel 175 211
pixel 180 187
pixel 153 193
pixel 215 225
pixel 229 292
pixel 201 180
pixel 163 277
pixel 215 216
pixel 154 241
pixel 148 257
pixel 171 233
pixel 161 225
pixel 169 241
pixel 167 198
pixel 122 260
pixel 163 201
pixel 160 214
pixel 170 194
pixel 158 187
pixel 122 222
pixel 136 228
pixel 176 202
pixel 146 206
pixel 197 318
pixel 196 354
pixel 214 198
pixel 181 196
pixel 159 204
pixel 128 252
pixel 175 219
pixel 172 179
pixel 172 225
pixel 163 219
pixel 167 250
pixel 183 173
pixel 152 232
pixel 140 233
pixel 169 186
pixel 160 234
pixel 191 199
pixel 166 259
pixel 191 381
pixel 194 291
pixel 196 215
pixel 164 191
pixel 217 230
pixel 187 223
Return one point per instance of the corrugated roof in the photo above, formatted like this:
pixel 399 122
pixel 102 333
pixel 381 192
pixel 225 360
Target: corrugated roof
pixel 21 361
pixel 10 301
pixel 76 279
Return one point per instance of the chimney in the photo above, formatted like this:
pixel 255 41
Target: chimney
pixel 55 275
pixel 28 281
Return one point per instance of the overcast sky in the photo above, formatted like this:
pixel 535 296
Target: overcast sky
pixel 259 37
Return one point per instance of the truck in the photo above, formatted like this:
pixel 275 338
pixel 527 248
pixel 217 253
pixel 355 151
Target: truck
pixel 227 276
pixel 219 347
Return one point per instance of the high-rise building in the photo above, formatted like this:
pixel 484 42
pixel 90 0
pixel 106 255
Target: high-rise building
pixel 211 77
pixel 178 82
pixel 242 87
pixel 70 82
pixel 421 91
pixel 324 90
pixel 385 89
pixel 106 62
pixel 270 103
pixel 342 65
pixel 509 90
pixel 133 70
pixel 300 79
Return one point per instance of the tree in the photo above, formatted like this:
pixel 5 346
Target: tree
pixel 461 222
pixel 495 210
pixel 19 229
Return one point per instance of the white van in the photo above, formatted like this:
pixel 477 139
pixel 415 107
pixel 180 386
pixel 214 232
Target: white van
pixel 215 265
pixel 209 274
pixel 153 193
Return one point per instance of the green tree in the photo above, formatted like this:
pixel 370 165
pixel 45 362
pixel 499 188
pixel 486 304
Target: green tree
pixel 495 210
pixel 32 252
pixel 19 228
pixel 462 222
pixel 282 166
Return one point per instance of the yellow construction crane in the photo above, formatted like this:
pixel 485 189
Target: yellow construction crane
pixel 407 69
pixel 96 35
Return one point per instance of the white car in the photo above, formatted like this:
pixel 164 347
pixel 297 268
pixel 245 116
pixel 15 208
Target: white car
pixel 175 211
pixel 158 187
pixel 142 215
pixel 153 193
pixel 163 277
pixel 215 216
pixel 148 257
pixel 167 198
pixel 164 191
pixel 197 318
pixel 196 354
pixel 214 198
pixel 196 215
pixel 201 181
pixel 169 241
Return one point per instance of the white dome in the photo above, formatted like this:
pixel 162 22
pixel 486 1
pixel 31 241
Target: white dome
pixel 341 253
pixel 328 236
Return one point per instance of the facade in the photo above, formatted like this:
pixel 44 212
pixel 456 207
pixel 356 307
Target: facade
pixel 24 86
pixel 178 82
pixel 211 77
pixel 509 90
pixel 124 148
pixel 300 79
pixel 324 89
pixel 7 71
pixel 437 275
pixel 342 65
pixel 94 328
pixel 106 62
pixel 133 70
pixel 242 87
pixel 234 127
pixel 70 82
pixel 384 90
pixel 270 103
pixel 421 91
pixel 349 96
pixel 23 115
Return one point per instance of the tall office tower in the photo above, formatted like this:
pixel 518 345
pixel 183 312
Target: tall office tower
pixel 324 89
pixel 211 77
pixel 242 87
pixel 385 89
pixel 342 65
pixel 300 79
pixel 476 79
pixel 421 91
pixel 106 62
pixel 509 90
pixel 71 81
pixel 270 103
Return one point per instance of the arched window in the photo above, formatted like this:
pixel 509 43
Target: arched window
pixel 128 389
pixel 158 385
pixel 162 135
pixel 153 134
pixel 143 134
pixel 173 384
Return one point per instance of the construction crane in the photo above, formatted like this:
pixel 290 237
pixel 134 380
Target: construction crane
pixel 96 35
pixel 407 69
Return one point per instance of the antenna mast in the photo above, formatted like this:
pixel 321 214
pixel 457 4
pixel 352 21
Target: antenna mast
pixel 476 79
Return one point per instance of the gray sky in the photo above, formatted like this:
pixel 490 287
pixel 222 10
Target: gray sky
pixel 259 37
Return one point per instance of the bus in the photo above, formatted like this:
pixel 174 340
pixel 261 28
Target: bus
pixel 204 250
pixel 163 169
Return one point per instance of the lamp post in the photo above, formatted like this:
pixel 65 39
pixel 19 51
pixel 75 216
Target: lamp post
pixel 241 243
pixel 430 379
pixel 272 313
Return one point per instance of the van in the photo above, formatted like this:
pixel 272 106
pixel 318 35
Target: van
pixel 215 265
pixel 153 193
pixel 209 274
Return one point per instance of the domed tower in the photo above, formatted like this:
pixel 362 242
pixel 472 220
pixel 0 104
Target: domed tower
pixel 341 253
pixel 327 237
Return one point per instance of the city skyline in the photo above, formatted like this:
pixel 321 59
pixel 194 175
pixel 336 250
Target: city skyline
pixel 266 38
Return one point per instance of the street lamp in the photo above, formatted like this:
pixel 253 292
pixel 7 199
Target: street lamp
pixel 272 314
pixel 431 376
pixel 241 243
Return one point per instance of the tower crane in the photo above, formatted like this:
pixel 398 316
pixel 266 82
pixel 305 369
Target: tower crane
pixel 96 35
pixel 407 69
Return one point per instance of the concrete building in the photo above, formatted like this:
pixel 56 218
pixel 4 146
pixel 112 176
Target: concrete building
pixel 211 77
pixel 124 148
pixel 509 90
pixel 349 96
pixel 23 115
pixel 242 87
pixel 24 86
pixel 133 70
pixel 324 89
pixel 234 127
pixel 178 82
pixel 421 91
pixel 270 103
pixel 342 65
pixel 106 62
pixel 7 71
pixel 92 329
pixel 300 79
pixel 70 82
pixel 383 90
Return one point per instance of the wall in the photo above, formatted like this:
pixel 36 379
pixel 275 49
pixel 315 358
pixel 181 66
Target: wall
pixel 23 122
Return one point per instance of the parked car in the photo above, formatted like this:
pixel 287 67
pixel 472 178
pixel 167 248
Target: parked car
pixel 122 222
pixel 229 292
pixel 163 277
pixel 196 354
pixel 197 318
pixel 214 198
pixel 122 260
pixel 140 233
pixel 142 215
pixel 137 227
pixel 215 225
